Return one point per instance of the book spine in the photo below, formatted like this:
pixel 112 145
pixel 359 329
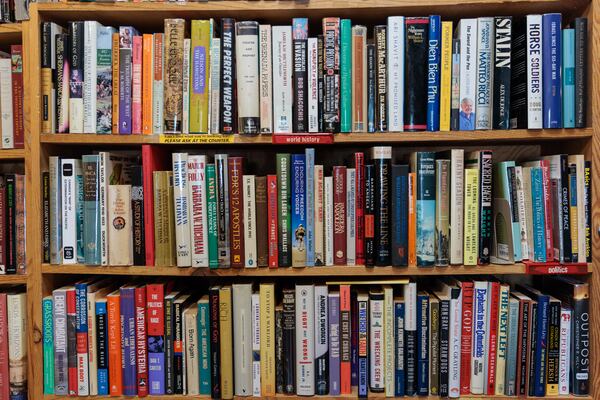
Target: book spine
pixel 197 210
pixel 369 224
pixel 247 75
pixel 415 74
pixel 173 77
pixel 279 349
pixel 283 211
pixel 442 212
pixel 16 54
pixel 345 75
pixel 395 73
pixel 141 340
pixel 215 356
pixel 534 45
pixel 147 82
pixel 102 346
pixel 490 367
pixel 422 344
pixel 17 355
pixel 267 348
pixel 445 75
pixel 410 336
pixel 359 79
pixel 553 346
pixel 20 223
pixel 485 70
pixel 502 72
pixel 282 79
pixel 169 343
pixel 225 333
pixel 313 85
pixel 455 342
pixel 433 73
pixel 399 218
pixel 158 84
pixel 289 341
pixel 48 343
pixel 502 340
pixel 204 350
pixel 127 340
pixel 381 118
pixel 6 123
pixel 272 226
pixel 425 194
pixel 512 348
pixel 305 370
pixel 156 333
pixel 261 232
pixel 63 72
pixel 345 367
pixel 466 337
pixel 565 351
pixel 45 216
pixel 236 220
pixel 568 77
pixel 211 217
pixel 200 69
pixel 136 86
pixel 485 207
pixel 334 343
pixel 309 204
pixel 376 342
pixel 182 201
pixel 382 159
pixel 339 215
pixel 587 206
pixel 61 377
pixel 300 74
pixel 46 77
pixel 227 85
pixel 185 79
pixel 548 213
pixel 81 332
pixel 178 348
pixel 255 304
pixel 298 210
pixel 222 190
pixel 250 234
pixel 126 34
pixel 351 216
pixel 320 83
pixel 581 57
pixel 331 75
pixel 115 51
pixel 541 351
pixel 480 305
pixel 69 221
pixel 444 347
pixel 71 342
pixel 363 346
pixel 319 216
pixel 471 227
pixel 388 332
pixel 467 32
pixel 321 341
pixel 359 202
pixel 399 367
pixel 412 221
pixel 191 375
pixel 76 110
pixel 580 358
pixel 371 87
pixel 115 362
pixel 551 64
pixel 137 213
pixel 523 345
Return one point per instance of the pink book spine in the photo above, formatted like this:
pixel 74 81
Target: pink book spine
pixel 136 90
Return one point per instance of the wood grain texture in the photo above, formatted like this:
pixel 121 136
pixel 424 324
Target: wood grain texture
pixel 13 279
pixel 12 154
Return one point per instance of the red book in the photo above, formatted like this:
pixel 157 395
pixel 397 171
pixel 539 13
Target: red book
pixel 72 341
pixel 4 373
pixel 345 340
pixel 466 336
pixel 140 341
pixel 339 215
pixel 359 201
pixel 548 212
pixel 493 301
pixel 236 211
pixel 16 53
pixel 154 158
pixel 272 217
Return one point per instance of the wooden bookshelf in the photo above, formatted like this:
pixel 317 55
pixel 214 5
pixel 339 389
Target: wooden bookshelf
pixel 149 16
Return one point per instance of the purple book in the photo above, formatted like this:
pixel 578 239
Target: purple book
pixel 126 34
pixel 334 343
pixel 128 340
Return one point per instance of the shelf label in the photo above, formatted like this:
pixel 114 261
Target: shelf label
pixel 302 138
pixel 555 268
pixel 196 139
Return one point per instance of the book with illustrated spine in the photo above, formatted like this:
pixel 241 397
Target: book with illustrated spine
pixel 485 53
pixel 173 79
pixel 200 70
pixel 466 32
pixel 331 74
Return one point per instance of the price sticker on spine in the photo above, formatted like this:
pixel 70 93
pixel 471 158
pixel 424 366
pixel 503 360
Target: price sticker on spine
pixel 196 139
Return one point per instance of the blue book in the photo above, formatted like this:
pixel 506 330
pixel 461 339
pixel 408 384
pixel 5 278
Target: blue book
pixel 81 331
pixel 48 338
pixel 423 163
pixel 102 333
pixel 91 209
pixel 422 344
pixel 363 358
pixel 204 345
pixel 127 308
pixel 399 348
pixel 537 206
pixel 298 165
pixel 551 64
pixel 399 215
pixel 310 207
pixel 433 75
pixel 568 77
pixel 334 343
pixel 510 384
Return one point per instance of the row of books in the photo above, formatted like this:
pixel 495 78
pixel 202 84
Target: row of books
pixel 12 224
pixel 443 208
pixel 13 344
pixel 446 337
pixel 12 128
pixel 13 11
pixel 494 73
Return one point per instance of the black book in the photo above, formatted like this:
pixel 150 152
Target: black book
pixel 137 208
pixel 215 346
pixel 289 341
pixel 279 351
pixel 502 66
pixel 300 74
pixel 483 161
pixel 353 338
pixel 371 87
pixel 10 225
pixel 382 160
pixel 63 60
pixel 169 340
pixel 7 11
pixel 533 339
pixel 179 305
pixel 562 196
pixel 518 76
pixel 380 35
pixel 455 86
pixel 228 102
pixel 399 215
pixel 320 81
pixel 444 345
pixel 331 75
pixel 415 73
pixel 369 215
pixel 45 217
pixel 581 44
pixel 552 362
pixel 47 42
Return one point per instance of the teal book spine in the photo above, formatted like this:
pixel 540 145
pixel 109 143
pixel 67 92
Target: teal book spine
pixel 502 190
pixel 204 347
pixel 568 77
pixel 310 207
pixel 79 214
pixel 510 384
pixel 48 336
pixel 537 203
pixel 91 209
pixel 346 75
pixel 211 216
pixel 425 169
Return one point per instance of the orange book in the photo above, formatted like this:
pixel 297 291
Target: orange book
pixel 345 342
pixel 115 369
pixel 115 83
pixel 147 82
pixel 412 221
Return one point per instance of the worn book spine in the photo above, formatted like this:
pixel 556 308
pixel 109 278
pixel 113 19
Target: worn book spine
pixel 331 74
pixel 158 85
pixel 173 77
pixel 266 79
pixel 247 77
pixel 236 216
pixel 181 212
pixel 228 76
pixel 197 210
pixel 415 73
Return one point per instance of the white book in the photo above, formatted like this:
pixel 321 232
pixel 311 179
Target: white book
pixel 185 119
pixel 455 347
pixel 395 71
pixel 579 161
pixel 319 216
pixel 158 86
pixel 328 213
pixel 305 340
pixel 313 92
pixel 410 306
pixel 197 209
pixel 484 59
pixel 521 209
pixel 180 201
pixel 215 85
pixel 467 29
pixel 104 171
pixel 564 351
pixel 350 216
pixel 502 339
pixel 478 355
pixel 321 337
pixel 192 373
pixel 242 337
pixel 248 190
pixel 528 210
pixel 534 72
pixel 282 79
pixel 389 343
pixel 247 78
pixel 16 310
pixel 376 340
pixel 457 181
pixel 69 168
pixel 266 79
pixel 256 344
pixel 120 233
pixel 6 105
pixel 90 35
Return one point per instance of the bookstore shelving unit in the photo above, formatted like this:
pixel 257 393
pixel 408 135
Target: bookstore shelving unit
pixel 42 278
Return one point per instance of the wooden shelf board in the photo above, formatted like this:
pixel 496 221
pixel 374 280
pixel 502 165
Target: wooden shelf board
pixel 346 271
pixel 12 154
pixel 492 136
pixel 295 397
pixel 13 27
pixel 13 279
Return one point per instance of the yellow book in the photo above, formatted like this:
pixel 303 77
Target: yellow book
pixel 471 225
pixel 267 339
pixel 147 82
pixel 115 83
pixel 48 99
pixel 225 328
pixel 199 76
pixel 446 75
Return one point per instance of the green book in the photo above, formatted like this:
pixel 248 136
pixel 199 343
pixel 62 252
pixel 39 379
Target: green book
pixel 211 216
pixel 48 336
pixel 204 345
pixel 91 209
pixel 346 75
pixel 283 210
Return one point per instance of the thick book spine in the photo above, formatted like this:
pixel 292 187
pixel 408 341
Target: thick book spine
pixel 137 214
pixel 63 72
pixel 48 343
pixel 369 226
pixel 76 111
pixel 442 212
pixel 266 79
pixel 212 242
pixel 480 305
pixel 81 332
pixel 200 70
pixel 553 345
pixel 381 157
pixel 16 304
pixel 298 209
pixel 359 79
pixel 60 342
pixel 424 166
pixel 345 52
pixel 156 333
pixel 321 340
pixel 334 343
pixel 502 340
pixel 566 319
pixel 242 337
pixel 141 340
pixel 282 79
pixel 181 211
pixel 551 76
pixel 236 216
pixel 399 367
pixel 115 366
pixel 345 365
pixel 273 226
pixel 227 103
pixel 331 75
pixel 283 210
pixel 267 348
pixel 69 228
pixel 300 74
pixel 72 343
pixel 359 203
pixel 247 75
pixel 305 369
pixel 339 215
pixel 485 54
pixel 395 73
pixel 128 328
pixel 313 85
pixel 415 73
pixel 350 216
pixel 467 32
pixel 173 77
pixel 47 67
pixel 399 220
pixel 485 207
pixel 534 45
pixel 433 73
pixel 466 337
pixel 502 68
pixel 197 210
pixel 471 226
pixel 581 61
pixel 444 346
pixel 381 117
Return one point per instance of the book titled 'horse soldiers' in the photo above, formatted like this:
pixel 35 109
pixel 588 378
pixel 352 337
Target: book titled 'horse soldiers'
pixel 415 88
pixel 247 74
pixel 382 159
pixel 502 65
pixel 173 81
pixel 300 74
pixel 331 74
pixel 227 106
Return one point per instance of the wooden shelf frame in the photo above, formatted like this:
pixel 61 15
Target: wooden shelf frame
pixel 148 16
